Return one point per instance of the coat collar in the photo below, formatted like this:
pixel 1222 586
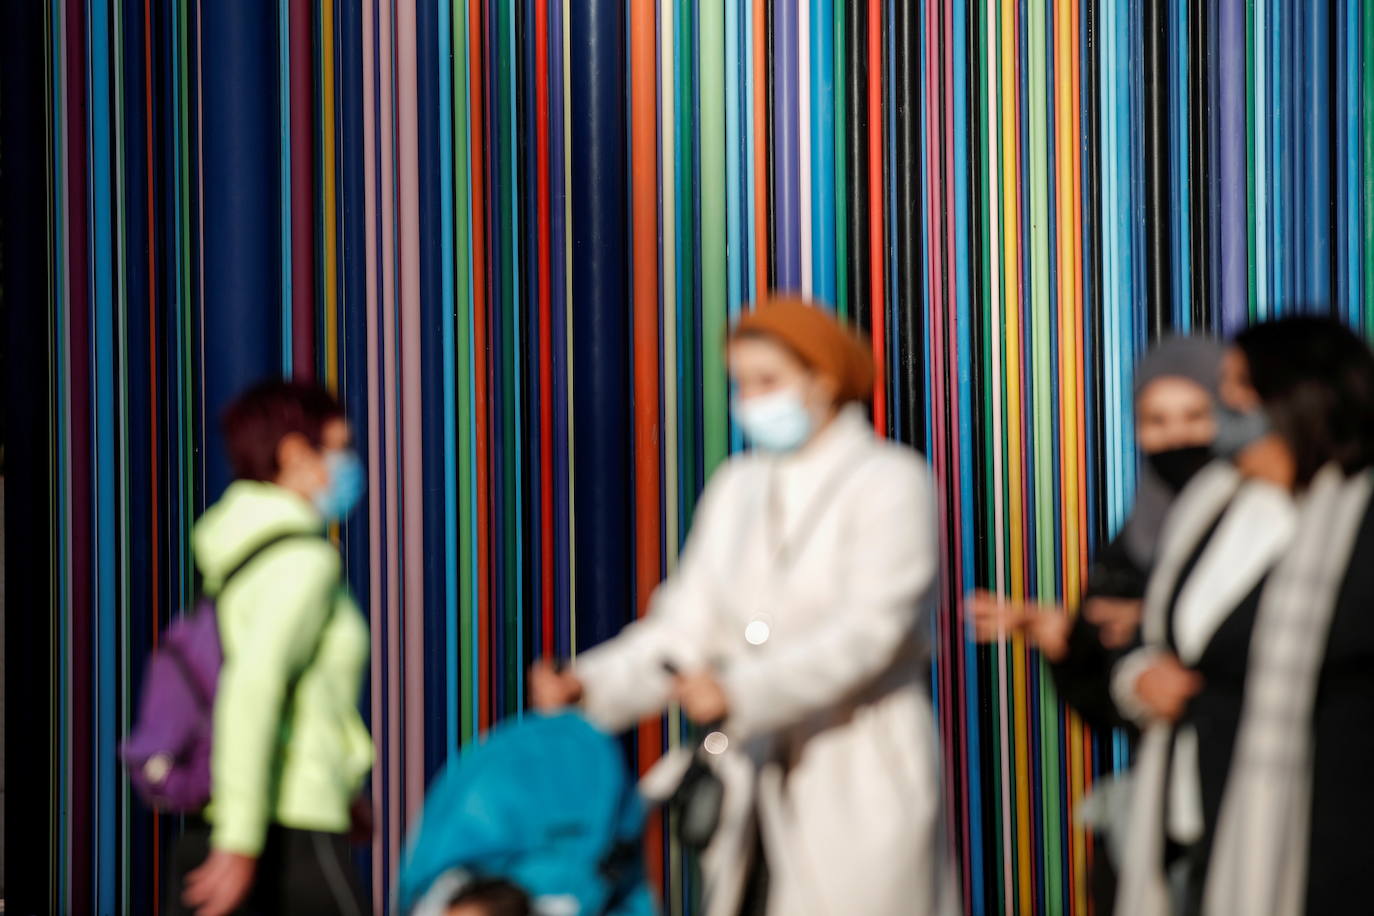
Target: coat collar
pixel 838 442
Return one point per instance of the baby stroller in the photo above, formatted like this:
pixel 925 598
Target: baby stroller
pixel 544 803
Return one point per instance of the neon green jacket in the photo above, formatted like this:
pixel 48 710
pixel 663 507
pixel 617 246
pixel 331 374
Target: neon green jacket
pixel 293 758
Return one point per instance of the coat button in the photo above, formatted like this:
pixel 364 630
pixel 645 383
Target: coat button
pixel 715 743
pixel 757 632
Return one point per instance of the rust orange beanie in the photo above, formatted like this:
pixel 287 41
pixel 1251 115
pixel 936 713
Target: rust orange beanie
pixel 825 345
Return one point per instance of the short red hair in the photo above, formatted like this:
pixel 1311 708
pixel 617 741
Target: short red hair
pixel 257 420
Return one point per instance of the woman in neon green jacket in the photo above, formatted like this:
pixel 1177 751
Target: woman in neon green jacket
pixel 290 749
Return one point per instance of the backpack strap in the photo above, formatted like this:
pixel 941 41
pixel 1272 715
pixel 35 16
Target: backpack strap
pixel 262 548
pixel 258 551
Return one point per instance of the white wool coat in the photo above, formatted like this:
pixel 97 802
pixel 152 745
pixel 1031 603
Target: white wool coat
pixel 806 584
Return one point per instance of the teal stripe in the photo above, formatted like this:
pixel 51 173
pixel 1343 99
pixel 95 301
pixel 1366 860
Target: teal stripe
pixel 105 530
pixel 447 281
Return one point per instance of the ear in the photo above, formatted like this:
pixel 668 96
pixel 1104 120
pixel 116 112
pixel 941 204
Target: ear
pixel 826 391
pixel 293 449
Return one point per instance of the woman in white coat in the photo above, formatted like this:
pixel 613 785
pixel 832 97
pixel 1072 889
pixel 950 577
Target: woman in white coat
pixel 798 618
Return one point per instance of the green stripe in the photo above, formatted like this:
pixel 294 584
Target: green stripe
pixel 686 235
pixel 462 286
pixel 986 150
pixel 1043 409
pixel 715 443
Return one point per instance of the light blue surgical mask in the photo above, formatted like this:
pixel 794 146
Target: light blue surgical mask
pixel 776 422
pixel 346 484
pixel 1237 430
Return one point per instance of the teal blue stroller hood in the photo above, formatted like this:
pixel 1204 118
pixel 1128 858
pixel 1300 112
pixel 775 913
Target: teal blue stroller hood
pixel 545 802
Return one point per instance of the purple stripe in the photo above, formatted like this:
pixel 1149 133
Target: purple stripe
pixel 1231 92
pixel 786 115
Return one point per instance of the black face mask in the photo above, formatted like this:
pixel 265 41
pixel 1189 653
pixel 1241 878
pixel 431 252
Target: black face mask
pixel 1176 466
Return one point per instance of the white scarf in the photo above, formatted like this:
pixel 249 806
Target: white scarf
pixel 1259 854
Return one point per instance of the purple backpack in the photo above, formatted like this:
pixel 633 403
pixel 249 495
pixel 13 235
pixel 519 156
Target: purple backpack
pixel 168 751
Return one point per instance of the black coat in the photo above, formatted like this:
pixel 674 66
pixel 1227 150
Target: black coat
pixel 1341 846
pixel 1341 857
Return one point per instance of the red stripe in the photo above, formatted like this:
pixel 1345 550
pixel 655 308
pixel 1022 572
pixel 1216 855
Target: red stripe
pixel 479 308
pixel 82 635
pixel 936 264
pixel 876 210
pixel 302 192
pixel 760 150
pixel 643 183
pixel 541 103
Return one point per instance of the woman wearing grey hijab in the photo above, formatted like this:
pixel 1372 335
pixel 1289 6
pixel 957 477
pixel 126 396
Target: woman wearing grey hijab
pixel 1175 399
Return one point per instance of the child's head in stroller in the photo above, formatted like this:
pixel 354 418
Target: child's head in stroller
pixel 541 817
pixel 490 897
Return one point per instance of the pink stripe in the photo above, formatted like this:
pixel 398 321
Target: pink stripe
pixel 68 571
pixel 392 607
pixel 302 192
pixel 960 673
pixel 374 449
pixel 935 265
pixel 411 417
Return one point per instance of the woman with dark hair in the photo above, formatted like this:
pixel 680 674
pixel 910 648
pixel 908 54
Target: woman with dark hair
pixel 1255 686
pixel 290 751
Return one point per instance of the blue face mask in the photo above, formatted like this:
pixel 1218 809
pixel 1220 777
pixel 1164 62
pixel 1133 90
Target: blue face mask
pixel 777 422
pixel 346 484
pixel 1237 430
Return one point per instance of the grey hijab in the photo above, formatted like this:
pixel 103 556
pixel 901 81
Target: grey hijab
pixel 1198 360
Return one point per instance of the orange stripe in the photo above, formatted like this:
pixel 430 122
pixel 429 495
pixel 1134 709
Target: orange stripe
pixel 644 179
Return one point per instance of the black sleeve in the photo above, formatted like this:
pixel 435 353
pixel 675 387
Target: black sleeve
pixel 1083 677
pixel 1115 575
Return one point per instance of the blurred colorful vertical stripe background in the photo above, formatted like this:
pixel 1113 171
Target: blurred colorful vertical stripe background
pixel 512 234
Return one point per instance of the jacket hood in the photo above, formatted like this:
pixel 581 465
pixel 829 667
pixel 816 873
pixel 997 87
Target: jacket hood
pixel 249 513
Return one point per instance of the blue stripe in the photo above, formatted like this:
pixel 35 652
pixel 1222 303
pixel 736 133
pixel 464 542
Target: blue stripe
pixel 104 384
pixel 1355 190
pixel 284 110
pixel 968 548
pixel 1317 107
pixel 517 367
pixel 558 302
pixel 822 149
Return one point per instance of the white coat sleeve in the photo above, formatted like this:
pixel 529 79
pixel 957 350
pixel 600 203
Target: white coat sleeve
pixel 623 679
pixel 889 568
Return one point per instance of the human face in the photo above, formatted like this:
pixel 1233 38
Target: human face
pixel 760 366
pixel 778 401
pixel 1236 391
pixel 1268 458
pixel 304 469
pixel 1173 412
